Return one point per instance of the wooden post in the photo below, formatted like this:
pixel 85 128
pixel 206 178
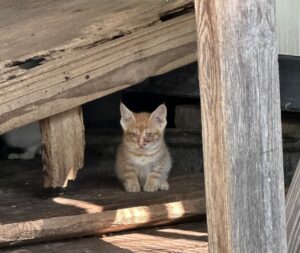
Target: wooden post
pixel 293 213
pixel 63 147
pixel 239 86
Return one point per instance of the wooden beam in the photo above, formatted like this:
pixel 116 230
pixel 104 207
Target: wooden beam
pixel 35 29
pixel 63 147
pixel 186 237
pixel 240 107
pixel 84 75
pixel 293 213
pixel 89 196
pixel 99 223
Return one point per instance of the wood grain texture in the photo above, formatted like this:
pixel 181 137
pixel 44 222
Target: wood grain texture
pixel 240 107
pixel 288 26
pixel 23 199
pixel 98 223
pixel 31 28
pixel 187 238
pixel 90 193
pixel 84 75
pixel 293 213
pixel 63 147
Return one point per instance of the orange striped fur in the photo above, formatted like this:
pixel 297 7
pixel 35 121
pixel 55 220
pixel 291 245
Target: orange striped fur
pixel 143 159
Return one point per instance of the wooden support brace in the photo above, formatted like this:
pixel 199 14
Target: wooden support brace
pixel 85 75
pixel 100 222
pixel 241 126
pixel 293 213
pixel 63 147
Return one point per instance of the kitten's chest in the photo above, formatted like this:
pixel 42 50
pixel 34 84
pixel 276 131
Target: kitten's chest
pixel 144 161
pixel 142 173
pixel 142 166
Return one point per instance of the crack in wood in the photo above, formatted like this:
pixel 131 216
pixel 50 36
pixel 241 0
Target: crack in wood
pixel 115 35
pixel 174 13
pixel 28 63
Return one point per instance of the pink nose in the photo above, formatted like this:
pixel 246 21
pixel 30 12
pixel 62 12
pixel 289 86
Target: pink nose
pixel 141 143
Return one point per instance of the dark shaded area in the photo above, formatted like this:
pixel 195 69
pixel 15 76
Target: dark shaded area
pixel 89 244
pixel 181 87
pixel 176 12
pixel 104 112
pixel 289 74
pixel 5 150
pixel 28 63
pixel 182 82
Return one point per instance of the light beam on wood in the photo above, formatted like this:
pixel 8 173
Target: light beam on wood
pixel 241 126
pixel 99 223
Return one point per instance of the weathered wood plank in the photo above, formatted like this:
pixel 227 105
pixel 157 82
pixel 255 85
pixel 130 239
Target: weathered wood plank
pixel 99 223
pixel 63 147
pixel 23 198
pixel 187 238
pixel 85 75
pixel 32 28
pixel 293 213
pixel 240 107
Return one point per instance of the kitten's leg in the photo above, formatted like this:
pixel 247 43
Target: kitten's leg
pixel 163 185
pixel 153 180
pixel 158 177
pixel 129 179
pixel 131 182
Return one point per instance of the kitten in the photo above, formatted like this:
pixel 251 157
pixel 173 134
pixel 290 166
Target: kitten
pixel 27 138
pixel 143 158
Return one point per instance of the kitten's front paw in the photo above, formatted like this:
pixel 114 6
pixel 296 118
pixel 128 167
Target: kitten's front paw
pixel 164 186
pixel 132 187
pixel 150 187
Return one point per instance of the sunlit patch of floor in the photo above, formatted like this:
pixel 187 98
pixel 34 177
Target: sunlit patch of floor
pixel 187 238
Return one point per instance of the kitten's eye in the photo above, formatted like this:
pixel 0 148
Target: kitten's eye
pixel 149 135
pixel 132 134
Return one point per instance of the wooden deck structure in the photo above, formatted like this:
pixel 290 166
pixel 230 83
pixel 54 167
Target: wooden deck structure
pixel 92 205
pixel 55 56
pixel 187 238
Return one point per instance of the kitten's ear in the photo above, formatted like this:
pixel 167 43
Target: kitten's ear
pixel 159 117
pixel 126 116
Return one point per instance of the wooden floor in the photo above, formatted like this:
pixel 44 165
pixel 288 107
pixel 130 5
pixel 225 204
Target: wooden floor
pixel 182 238
pixel 24 203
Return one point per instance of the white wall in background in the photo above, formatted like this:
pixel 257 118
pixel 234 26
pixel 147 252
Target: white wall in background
pixel 288 23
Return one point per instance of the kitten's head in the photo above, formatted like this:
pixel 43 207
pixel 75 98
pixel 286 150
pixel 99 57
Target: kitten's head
pixel 143 131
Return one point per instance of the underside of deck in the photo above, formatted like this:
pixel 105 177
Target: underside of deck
pixel 55 56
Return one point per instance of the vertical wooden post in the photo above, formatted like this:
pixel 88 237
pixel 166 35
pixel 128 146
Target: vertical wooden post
pixel 293 213
pixel 63 147
pixel 239 88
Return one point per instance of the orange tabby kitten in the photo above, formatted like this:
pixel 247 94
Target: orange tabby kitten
pixel 143 159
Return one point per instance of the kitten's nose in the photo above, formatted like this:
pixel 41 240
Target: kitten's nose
pixel 141 142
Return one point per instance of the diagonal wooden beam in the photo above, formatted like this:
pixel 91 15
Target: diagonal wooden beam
pixel 240 108
pixel 85 75
pixel 293 213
